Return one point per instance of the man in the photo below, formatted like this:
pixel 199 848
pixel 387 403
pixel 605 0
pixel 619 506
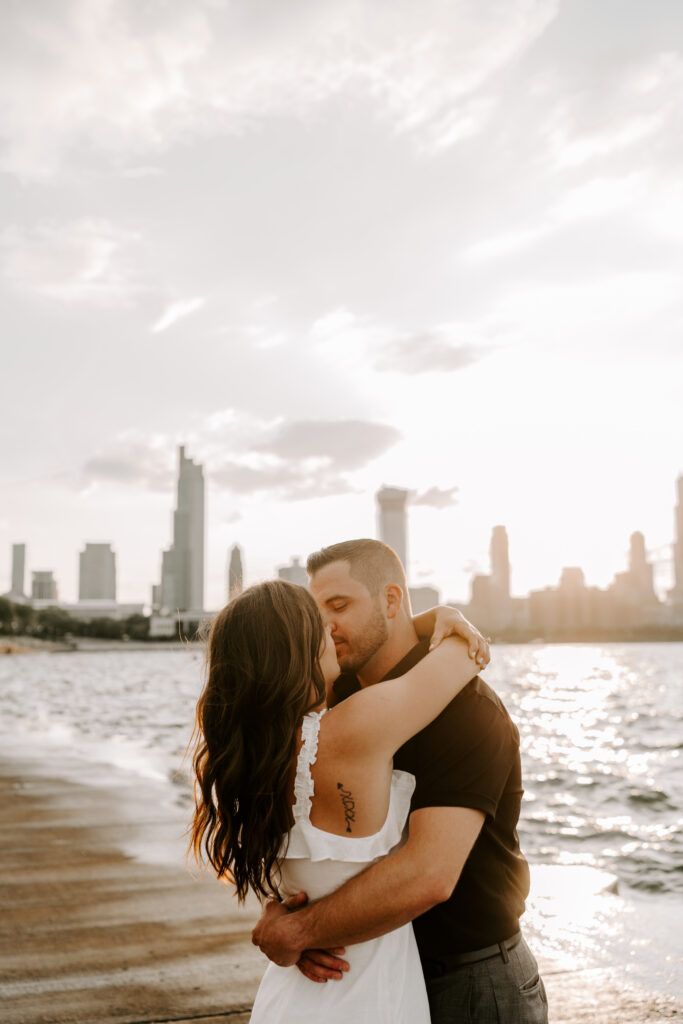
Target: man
pixel 460 876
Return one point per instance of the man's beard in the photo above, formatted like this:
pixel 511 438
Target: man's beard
pixel 364 646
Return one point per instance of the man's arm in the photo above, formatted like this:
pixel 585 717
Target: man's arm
pixel 392 892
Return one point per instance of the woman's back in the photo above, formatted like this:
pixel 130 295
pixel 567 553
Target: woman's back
pixel 385 981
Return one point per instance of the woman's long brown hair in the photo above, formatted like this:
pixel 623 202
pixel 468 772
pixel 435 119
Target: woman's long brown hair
pixel 263 676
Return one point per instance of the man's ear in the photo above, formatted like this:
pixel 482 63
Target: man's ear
pixel 393 595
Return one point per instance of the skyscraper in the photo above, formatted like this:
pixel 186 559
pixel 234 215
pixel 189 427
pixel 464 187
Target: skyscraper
pixel 393 521
pixel 640 571
pixel 18 569
pixel 235 573
pixel 295 572
pixel 500 563
pixel 97 573
pixel 182 565
pixel 43 586
pixel 677 592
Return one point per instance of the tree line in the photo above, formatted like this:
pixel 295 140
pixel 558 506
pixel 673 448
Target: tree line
pixel 56 623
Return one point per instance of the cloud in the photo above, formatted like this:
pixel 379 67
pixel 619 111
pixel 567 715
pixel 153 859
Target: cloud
pixel 347 444
pixel 283 481
pixel 572 152
pixel 428 352
pixel 446 347
pixel 303 459
pixel 594 198
pixel 291 461
pixel 626 106
pixel 90 261
pixel 176 311
pixel 133 460
pixel 107 75
pixel 437 497
pixel 126 78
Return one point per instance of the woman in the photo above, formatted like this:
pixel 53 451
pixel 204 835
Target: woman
pixel 290 796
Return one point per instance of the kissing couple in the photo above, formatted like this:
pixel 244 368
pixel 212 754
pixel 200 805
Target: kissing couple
pixel 353 770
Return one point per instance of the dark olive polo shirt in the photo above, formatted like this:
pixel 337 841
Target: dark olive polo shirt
pixel 468 757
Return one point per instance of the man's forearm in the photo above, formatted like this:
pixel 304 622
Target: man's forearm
pixel 381 898
pixel 387 895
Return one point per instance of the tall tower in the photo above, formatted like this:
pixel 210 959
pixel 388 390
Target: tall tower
pixel 97 573
pixel 393 520
pixel 18 569
pixel 295 572
pixel 639 569
pixel 500 562
pixel 43 586
pixel 182 565
pixel 235 573
pixel 677 592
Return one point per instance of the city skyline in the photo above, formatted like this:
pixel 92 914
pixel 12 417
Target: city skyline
pixel 433 246
pixel 393 507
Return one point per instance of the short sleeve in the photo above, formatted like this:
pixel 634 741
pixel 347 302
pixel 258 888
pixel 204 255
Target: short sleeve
pixel 464 758
pixel 345 685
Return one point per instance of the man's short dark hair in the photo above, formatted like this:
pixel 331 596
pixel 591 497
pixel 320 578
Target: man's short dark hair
pixel 371 562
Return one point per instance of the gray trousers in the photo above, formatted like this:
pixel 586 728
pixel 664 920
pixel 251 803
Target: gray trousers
pixel 491 992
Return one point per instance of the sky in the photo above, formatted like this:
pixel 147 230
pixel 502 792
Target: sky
pixel 333 246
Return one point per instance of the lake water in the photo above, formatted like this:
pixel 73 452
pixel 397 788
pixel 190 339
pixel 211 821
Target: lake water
pixel 601 730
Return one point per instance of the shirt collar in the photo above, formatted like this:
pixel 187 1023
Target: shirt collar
pixel 410 660
pixel 347 683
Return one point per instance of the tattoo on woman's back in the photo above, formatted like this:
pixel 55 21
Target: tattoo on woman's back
pixel 349 805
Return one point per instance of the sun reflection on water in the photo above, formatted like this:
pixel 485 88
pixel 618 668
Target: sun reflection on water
pixel 572 910
pixel 600 732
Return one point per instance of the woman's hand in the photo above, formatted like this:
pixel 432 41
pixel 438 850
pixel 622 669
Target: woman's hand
pixel 451 622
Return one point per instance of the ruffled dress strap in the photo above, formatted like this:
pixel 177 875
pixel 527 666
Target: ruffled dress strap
pixel 303 780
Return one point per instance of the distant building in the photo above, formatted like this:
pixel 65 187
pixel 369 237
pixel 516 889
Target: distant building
pixel 182 625
pixel 393 520
pixel 640 571
pixel 500 563
pixel 573 608
pixel 491 606
pixel 294 573
pixel 572 600
pixel 97 573
pixel 164 626
pixel 563 609
pixel 43 586
pixel 632 594
pixel 18 570
pixel 676 594
pixel 235 573
pixel 182 565
pixel 543 616
pixel 423 598
pixel 88 610
pixel 480 599
pixel 501 610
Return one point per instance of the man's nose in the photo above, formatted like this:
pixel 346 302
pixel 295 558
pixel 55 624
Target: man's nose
pixel 330 623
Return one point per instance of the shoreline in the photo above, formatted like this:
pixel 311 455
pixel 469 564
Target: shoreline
pixel 92 932
pixel 21 645
pixel 87 645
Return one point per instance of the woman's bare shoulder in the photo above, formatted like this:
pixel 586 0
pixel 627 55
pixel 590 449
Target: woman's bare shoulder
pixel 351 728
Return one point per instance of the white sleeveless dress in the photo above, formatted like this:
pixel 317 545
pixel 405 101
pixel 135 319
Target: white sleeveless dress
pixel 385 984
